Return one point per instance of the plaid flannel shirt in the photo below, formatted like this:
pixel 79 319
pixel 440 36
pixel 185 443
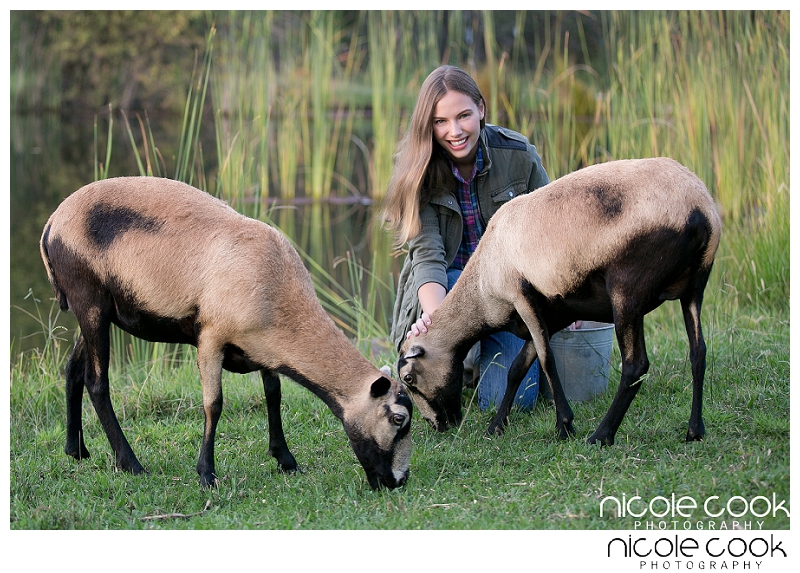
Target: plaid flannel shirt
pixel 468 201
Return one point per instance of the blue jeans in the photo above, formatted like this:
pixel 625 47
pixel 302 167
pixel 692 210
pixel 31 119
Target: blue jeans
pixel 497 352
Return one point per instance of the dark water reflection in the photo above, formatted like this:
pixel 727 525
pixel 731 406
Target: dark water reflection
pixel 53 156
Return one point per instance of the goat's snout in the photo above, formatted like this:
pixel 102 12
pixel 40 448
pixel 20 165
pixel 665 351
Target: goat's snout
pixel 450 419
pixel 396 480
pixel 441 415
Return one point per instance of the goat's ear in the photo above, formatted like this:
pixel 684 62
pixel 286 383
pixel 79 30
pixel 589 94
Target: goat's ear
pixel 380 387
pixel 414 352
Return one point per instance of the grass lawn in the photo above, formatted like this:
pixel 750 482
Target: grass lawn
pixel 526 479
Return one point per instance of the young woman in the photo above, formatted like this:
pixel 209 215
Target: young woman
pixel 452 172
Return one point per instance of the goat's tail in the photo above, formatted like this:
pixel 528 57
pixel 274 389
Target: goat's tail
pixel 48 265
pixel 714 237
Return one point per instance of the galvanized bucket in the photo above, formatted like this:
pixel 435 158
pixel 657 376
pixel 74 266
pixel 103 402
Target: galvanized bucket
pixel 583 360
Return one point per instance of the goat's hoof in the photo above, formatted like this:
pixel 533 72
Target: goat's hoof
pixel 79 454
pixel 696 431
pixel 132 467
pixel 602 440
pixel 497 427
pixel 286 461
pixel 565 430
pixel 212 483
pixel 289 468
pixel 494 430
pixel 694 437
pixel 209 481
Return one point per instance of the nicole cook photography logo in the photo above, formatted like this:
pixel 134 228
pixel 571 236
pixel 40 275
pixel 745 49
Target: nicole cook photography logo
pixel 713 513
pixel 743 551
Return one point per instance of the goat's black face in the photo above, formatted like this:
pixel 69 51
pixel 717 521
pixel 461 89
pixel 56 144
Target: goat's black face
pixel 434 385
pixel 380 434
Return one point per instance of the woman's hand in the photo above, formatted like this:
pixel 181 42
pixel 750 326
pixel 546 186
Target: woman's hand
pixel 420 326
pixel 430 296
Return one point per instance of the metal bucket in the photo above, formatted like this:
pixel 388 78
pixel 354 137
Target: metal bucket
pixel 583 360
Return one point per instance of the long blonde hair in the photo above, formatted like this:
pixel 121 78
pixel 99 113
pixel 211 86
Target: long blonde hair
pixel 419 161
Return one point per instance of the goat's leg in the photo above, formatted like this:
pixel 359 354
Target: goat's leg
pixel 564 415
pixel 277 441
pixel 630 337
pixel 516 374
pixel 95 333
pixel 541 341
pixel 75 374
pixel 209 362
pixel 697 356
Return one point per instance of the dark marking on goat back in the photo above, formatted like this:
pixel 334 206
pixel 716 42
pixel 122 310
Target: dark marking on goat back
pixel 105 223
pixel 608 201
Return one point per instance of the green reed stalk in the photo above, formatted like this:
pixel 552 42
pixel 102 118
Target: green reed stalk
pixel 323 137
pixel 127 350
pixel 319 144
pixel 101 169
pixel 193 112
pixel 51 352
pixel 288 139
pixel 726 116
pixel 398 63
pixel 353 307
pixel 385 117
pixel 245 92
pixel 492 64
pixel 135 148
pixel 346 112
pixel 689 85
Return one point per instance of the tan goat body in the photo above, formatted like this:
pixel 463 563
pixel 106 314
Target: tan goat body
pixel 607 243
pixel 169 263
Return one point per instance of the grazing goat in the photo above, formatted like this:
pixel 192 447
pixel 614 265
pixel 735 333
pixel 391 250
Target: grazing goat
pixel 169 263
pixel 608 243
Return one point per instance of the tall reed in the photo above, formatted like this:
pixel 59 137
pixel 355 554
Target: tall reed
pixel 189 161
pixel 383 72
pixel 242 99
pixel 101 168
pixel 710 90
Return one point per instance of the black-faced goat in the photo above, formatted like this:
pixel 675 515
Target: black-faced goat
pixel 608 243
pixel 169 263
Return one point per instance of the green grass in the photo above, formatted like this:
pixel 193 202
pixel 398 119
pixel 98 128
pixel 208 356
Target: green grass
pixel 526 479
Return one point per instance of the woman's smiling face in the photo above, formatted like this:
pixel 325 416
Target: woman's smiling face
pixel 457 127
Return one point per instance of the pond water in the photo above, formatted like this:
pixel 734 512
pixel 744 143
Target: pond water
pixel 52 156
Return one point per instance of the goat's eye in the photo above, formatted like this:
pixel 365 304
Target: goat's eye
pixel 408 378
pixel 398 419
